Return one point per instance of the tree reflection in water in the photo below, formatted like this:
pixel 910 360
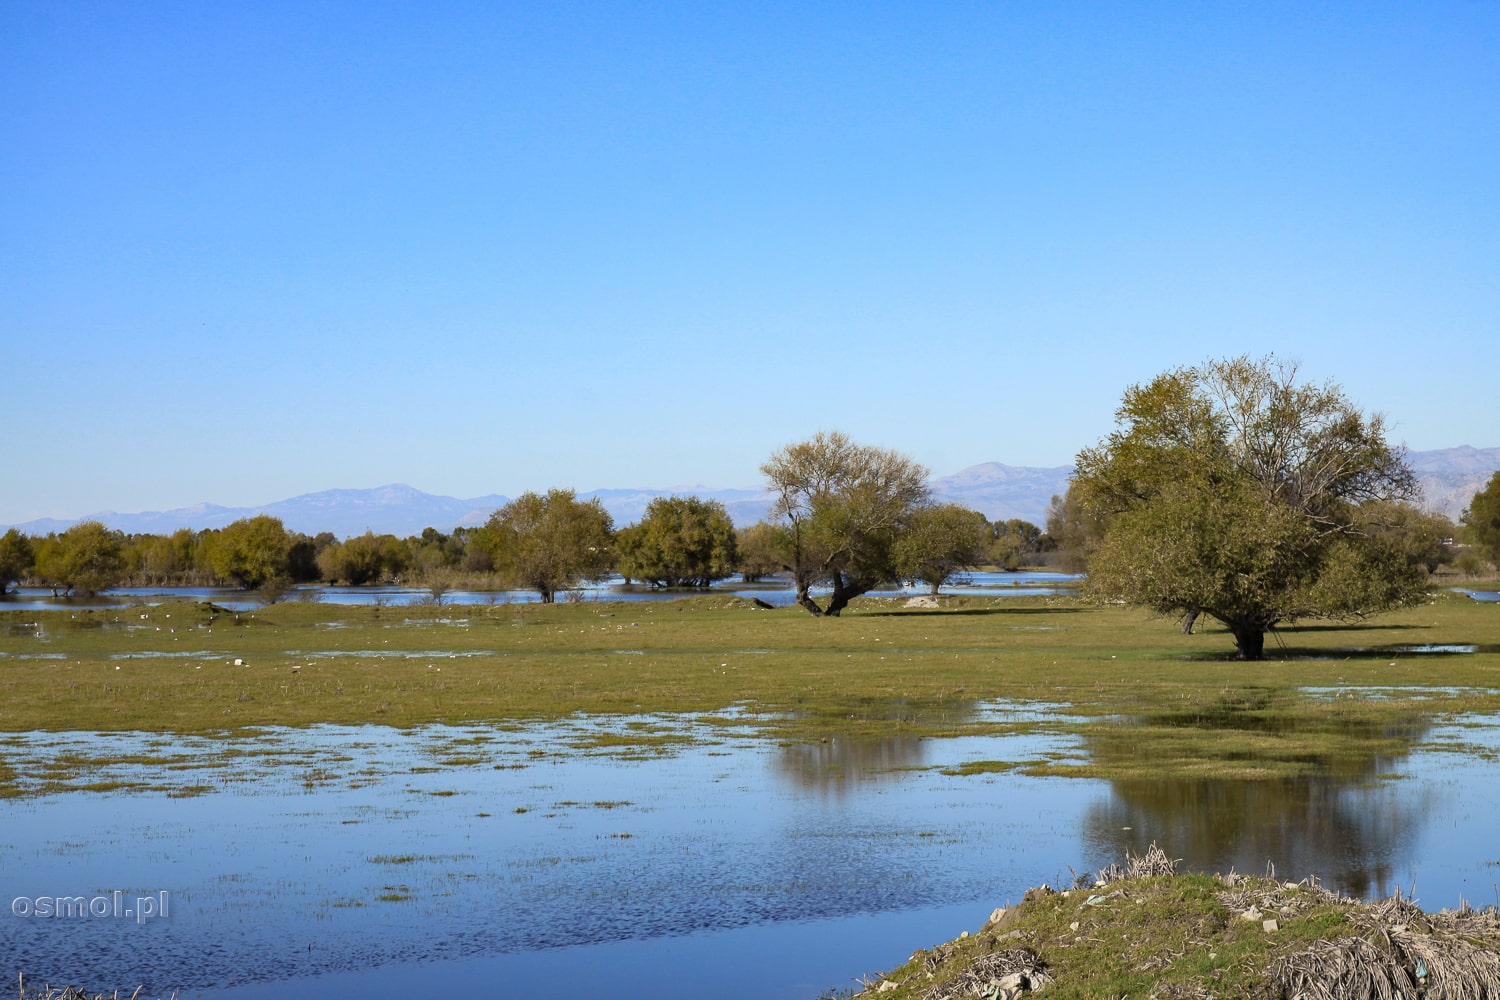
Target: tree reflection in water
pixel 837 766
pixel 1354 829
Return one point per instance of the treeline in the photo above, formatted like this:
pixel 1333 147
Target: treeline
pixel 252 553
pixel 543 542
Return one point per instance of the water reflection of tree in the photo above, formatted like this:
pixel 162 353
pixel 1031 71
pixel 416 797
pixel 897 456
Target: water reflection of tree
pixel 1344 824
pixel 836 765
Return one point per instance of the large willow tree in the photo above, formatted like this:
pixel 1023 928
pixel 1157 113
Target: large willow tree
pixel 841 509
pixel 1232 490
pixel 550 542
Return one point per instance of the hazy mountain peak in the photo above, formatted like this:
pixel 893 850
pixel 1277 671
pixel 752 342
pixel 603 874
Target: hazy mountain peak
pixel 1449 477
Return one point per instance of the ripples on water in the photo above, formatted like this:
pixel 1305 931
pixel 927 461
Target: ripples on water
pixel 465 858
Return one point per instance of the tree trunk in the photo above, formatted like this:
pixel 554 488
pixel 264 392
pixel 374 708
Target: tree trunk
pixel 839 600
pixel 845 590
pixel 805 599
pixel 1189 620
pixel 1249 640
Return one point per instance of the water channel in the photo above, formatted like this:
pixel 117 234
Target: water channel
pixel 773 591
pixel 559 860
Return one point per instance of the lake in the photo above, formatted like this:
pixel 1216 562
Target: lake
pixel 569 858
pixel 777 592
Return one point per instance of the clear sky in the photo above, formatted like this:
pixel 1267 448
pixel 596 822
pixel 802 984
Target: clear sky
pixel 255 249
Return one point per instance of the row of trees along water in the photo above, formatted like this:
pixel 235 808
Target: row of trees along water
pixel 547 542
pixel 1229 490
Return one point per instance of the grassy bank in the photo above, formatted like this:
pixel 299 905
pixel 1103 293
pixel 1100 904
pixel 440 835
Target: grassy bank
pixel 1138 693
pixel 1141 930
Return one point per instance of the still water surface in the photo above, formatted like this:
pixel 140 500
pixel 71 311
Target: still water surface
pixel 547 860
pixel 777 592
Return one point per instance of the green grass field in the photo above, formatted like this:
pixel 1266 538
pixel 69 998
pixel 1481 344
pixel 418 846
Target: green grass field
pixel 1148 697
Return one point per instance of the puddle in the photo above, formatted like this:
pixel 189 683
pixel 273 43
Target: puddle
pixel 1413 649
pixel 1391 692
pixel 156 654
pixel 389 654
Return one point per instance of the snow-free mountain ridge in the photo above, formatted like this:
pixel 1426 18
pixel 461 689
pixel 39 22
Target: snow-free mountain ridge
pixel 1449 477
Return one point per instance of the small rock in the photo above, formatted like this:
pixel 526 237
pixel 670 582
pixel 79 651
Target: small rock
pixel 1270 926
pixel 1014 981
pixel 886 986
pixel 239 662
pixel 963 935
pixel 998 913
pixel 1073 926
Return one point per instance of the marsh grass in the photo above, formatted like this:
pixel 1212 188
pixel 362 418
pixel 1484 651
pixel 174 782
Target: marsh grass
pixel 1133 693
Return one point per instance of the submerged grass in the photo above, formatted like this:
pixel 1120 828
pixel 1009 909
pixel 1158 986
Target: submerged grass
pixel 1140 698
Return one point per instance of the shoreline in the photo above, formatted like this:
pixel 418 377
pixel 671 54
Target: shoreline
pixel 1142 929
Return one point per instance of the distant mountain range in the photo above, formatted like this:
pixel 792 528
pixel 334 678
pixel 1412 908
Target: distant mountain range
pixel 1449 477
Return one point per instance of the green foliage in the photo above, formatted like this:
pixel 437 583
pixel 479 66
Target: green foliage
pixel 758 551
pixel 941 542
pixel 844 506
pixel 252 551
pixel 1073 529
pixel 1015 543
pixel 1416 534
pixel 550 543
pixel 1482 520
pixel 16 558
pixel 162 559
pixel 302 559
pixel 681 542
pixel 364 559
pixel 87 558
pixel 1233 491
pixel 434 553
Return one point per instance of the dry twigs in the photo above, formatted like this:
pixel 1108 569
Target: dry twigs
pixel 1398 951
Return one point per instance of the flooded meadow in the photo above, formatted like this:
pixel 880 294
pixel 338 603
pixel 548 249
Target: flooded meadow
pixel 689 799
pixel 659 856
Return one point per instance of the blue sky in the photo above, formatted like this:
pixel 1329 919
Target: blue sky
pixel 250 250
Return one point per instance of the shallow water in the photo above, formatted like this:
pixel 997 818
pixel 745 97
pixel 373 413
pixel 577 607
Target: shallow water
pixel 774 592
pixel 443 859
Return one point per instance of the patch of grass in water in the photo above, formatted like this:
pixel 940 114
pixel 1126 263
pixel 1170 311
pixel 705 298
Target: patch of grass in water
pixel 982 767
pixel 189 791
pixel 632 741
